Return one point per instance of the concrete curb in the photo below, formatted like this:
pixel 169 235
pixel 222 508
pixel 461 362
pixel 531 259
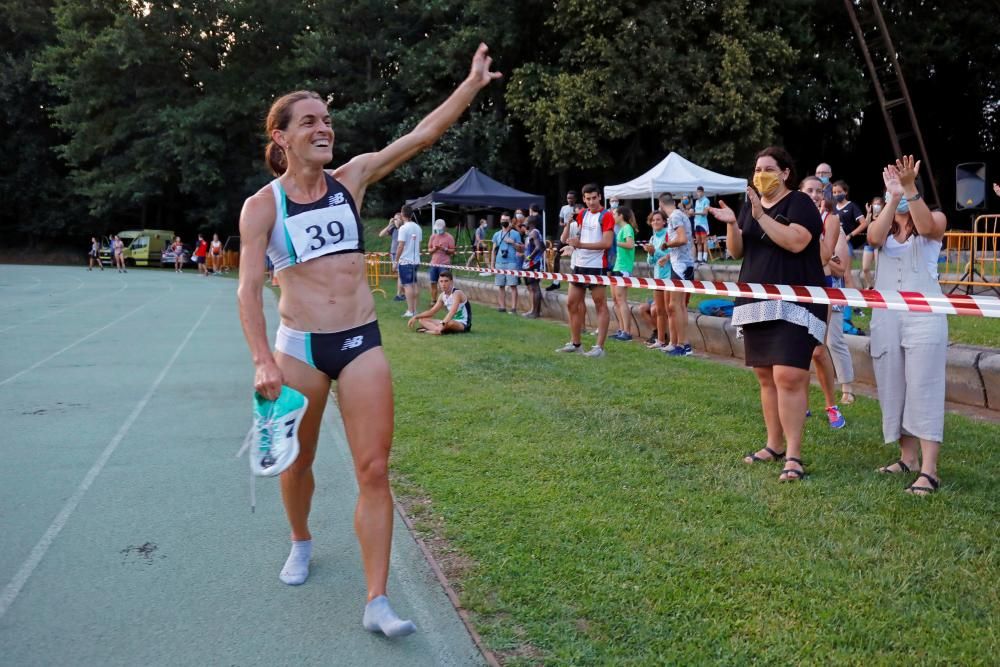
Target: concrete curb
pixel 973 373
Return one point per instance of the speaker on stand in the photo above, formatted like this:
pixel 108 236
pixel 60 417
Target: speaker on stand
pixel 970 195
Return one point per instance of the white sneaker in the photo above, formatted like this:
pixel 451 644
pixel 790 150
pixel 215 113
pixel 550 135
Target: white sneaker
pixel 668 348
pixel 655 345
pixel 273 439
pixel 595 352
pixel 408 314
pixel 570 348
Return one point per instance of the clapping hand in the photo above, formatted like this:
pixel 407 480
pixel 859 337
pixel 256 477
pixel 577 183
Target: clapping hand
pixel 890 176
pixel 756 209
pixel 907 171
pixel 723 213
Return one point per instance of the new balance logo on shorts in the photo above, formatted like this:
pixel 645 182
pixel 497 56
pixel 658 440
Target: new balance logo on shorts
pixel 352 343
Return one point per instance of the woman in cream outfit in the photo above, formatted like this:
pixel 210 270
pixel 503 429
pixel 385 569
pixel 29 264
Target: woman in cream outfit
pixel 909 348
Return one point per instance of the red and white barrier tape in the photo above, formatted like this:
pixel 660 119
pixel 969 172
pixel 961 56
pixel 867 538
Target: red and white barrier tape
pixel 947 304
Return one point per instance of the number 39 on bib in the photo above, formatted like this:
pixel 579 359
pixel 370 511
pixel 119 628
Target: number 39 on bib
pixel 322 232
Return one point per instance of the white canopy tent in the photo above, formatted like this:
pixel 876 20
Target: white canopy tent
pixel 676 174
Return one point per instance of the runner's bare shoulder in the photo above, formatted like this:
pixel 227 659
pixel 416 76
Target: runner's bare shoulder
pixel 258 211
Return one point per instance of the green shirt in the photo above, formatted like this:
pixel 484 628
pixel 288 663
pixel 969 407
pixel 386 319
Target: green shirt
pixel 625 260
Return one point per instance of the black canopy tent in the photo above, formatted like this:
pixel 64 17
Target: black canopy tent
pixel 474 188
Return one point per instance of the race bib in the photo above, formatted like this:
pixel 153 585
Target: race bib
pixel 323 232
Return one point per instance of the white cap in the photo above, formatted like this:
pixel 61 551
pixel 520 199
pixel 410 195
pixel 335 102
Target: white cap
pixel 438 225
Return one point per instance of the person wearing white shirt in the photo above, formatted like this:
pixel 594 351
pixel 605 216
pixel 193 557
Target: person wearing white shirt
pixel 566 215
pixel 408 258
pixel 590 257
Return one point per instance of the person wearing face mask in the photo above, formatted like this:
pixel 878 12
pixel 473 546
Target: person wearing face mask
pixel 868 257
pixel 851 215
pixel 825 174
pixel 909 349
pixel 832 360
pixel 505 249
pixel 777 233
pixel 441 248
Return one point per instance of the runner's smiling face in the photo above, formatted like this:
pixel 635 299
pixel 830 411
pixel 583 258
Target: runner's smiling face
pixel 309 135
pixel 593 201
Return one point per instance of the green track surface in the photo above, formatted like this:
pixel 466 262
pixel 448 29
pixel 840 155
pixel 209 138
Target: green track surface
pixel 127 534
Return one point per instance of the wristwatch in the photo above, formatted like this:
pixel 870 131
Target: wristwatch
pixel 914 197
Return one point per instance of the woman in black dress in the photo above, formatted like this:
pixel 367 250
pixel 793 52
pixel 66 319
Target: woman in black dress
pixel 777 233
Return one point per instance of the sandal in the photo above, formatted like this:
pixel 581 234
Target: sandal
pixel 775 456
pixel 903 468
pixel 915 490
pixel 793 475
pixel 847 398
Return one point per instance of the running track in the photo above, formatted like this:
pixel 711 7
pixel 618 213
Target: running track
pixel 127 535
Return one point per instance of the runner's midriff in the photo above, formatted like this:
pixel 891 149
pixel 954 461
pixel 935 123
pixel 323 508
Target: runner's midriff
pixel 326 294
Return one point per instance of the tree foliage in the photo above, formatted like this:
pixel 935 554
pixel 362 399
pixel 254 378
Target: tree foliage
pixel 122 112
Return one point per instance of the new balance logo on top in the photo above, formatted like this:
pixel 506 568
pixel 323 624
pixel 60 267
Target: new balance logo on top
pixel 337 199
pixel 352 343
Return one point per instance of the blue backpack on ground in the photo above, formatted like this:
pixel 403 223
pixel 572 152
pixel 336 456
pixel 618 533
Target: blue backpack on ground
pixel 716 307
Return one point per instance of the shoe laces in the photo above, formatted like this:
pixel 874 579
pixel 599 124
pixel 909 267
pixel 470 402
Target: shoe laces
pixel 264 425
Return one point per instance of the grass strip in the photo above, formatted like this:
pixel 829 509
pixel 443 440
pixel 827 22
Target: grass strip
pixel 603 516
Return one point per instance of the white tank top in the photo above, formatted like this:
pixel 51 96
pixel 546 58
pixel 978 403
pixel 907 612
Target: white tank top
pixel 328 226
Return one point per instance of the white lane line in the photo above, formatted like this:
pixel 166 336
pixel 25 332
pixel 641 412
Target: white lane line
pixel 74 344
pixel 62 310
pixel 13 589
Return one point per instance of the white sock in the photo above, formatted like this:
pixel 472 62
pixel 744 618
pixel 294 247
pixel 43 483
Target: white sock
pixel 296 569
pixel 379 617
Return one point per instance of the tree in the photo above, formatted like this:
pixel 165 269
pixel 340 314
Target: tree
pixel 34 199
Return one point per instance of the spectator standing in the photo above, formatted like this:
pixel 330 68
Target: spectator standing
pixel 909 349
pixel 215 251
pixel 681 268
pixel 392 230
pixel 777 234
pixel 534 257
pixel 590 257
pixel 701 204
pixel 441 248
pixel 868 254
pixel 826 367
pixel 658 257
pixel 478 253
pixel 566 216
pixel 200 255
pixel 505 242
pixel 408 259
pixel 824 173
pixel 94 255
pixel 623 267
pixel 118 252
pixel 851 215
pixel 178 249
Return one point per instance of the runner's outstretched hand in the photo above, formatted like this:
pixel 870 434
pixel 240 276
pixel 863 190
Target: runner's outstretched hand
pixel 480 72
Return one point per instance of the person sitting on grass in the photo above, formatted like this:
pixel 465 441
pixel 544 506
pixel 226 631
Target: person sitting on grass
pixel 459 317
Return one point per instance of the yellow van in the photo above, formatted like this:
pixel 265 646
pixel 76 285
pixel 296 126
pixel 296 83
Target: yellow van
pixel 143 247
